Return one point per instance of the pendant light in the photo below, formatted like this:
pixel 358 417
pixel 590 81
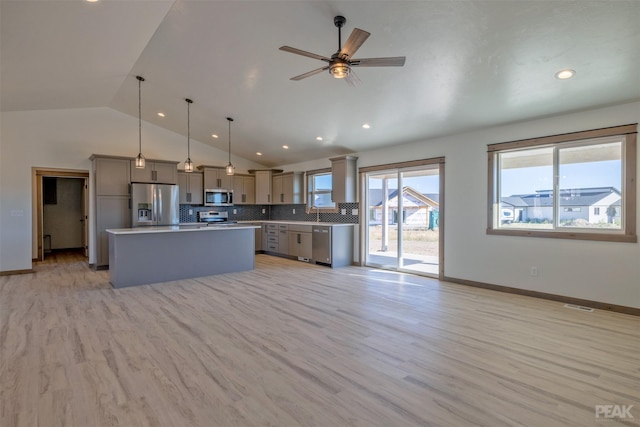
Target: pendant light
pixel 188 164
pixel 140 158
pixel 230 168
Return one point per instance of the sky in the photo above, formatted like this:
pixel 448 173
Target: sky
pixel 575 175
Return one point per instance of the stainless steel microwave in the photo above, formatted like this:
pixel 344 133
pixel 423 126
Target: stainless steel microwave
pixel 218 197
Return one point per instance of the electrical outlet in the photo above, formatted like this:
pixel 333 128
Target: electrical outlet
pixel 343 211
pixel 294 211
pixel 235 211
pixel 533 271
pixel 190 211
pixel 354 211
pixel 264 211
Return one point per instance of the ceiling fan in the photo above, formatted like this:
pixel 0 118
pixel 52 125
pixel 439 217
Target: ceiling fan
pixel 340 63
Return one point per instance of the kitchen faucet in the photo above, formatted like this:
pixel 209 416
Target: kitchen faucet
pixel 317 212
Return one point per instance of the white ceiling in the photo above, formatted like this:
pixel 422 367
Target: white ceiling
pixel 470 64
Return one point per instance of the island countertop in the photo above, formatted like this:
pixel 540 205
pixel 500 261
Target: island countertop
pixel 196 227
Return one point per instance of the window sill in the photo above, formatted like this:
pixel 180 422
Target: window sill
pixel 571 235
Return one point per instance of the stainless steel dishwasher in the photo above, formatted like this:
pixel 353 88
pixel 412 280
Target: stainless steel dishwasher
pixel 321 244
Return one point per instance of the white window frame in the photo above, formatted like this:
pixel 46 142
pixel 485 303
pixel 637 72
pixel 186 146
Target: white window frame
pixel 627 233
pixel 311 191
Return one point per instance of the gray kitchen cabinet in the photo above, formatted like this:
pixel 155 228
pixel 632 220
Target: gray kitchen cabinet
pixel 344 179
pixel 156 172
pixel 216 177
pixel 287 188
pixel 277 238
pixel 244 189
pixel 300 241
pixel 191 190
pixel 263 186
pixel 111 175
pixel 111 212
pixel 283 239
pixel 265 237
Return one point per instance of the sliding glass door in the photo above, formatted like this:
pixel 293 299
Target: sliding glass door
pixel 403 228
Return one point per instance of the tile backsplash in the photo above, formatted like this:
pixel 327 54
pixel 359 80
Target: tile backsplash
pixel 188 213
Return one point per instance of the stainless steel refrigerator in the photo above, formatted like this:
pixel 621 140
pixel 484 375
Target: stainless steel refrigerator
pixel 154 204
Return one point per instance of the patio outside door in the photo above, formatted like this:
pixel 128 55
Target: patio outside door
pixel 403 228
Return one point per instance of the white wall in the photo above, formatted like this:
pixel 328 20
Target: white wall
pixel 599 271
pixel 65 139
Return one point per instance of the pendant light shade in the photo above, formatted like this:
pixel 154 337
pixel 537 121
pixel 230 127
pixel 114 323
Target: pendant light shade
pixel 188 164
pixel 140 158
pixel 230 168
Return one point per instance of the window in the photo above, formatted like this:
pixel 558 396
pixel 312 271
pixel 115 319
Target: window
pixel 576 186
pixel 319 189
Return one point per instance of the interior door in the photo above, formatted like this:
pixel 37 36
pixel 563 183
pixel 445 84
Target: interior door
pixel 85 217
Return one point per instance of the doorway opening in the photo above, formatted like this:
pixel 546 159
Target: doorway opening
pixel 61 229
pixel 404 222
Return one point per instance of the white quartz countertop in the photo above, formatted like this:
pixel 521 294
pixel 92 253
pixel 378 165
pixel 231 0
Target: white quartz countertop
pixel 332 224
pixel 195 227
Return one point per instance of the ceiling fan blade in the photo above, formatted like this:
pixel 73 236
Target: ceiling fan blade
pixel 309 74
pixel 304 53
pixel 396 61
pixel 354 42
pixel 352 79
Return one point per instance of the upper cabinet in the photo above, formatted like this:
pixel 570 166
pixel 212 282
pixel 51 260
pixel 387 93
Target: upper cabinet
pixel 111 175
pixel 263 186
pixel 191 189
pixel 287 188
pixel 215 177
pixel 244 189
pixel 156 172
pixel 344 179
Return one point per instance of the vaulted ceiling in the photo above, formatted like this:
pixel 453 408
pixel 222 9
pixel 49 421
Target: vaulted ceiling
pixel 470 65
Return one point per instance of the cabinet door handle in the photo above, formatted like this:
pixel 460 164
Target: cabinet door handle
pixel 219 181
pixel 188 197
pixel 281 197
pixel 299 238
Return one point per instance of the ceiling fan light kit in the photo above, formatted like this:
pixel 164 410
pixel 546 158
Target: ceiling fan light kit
pixel 341 62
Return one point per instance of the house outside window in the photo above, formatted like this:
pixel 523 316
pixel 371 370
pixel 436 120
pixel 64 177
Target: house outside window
pixel 577 186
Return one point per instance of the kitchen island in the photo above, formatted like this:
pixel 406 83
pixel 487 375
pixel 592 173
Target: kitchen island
pixel 139 256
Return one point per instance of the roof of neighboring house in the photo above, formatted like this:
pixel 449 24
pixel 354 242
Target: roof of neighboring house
pixel 569 197
pixel 420 199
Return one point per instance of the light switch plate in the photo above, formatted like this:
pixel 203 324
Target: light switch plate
pixel 354 211
pixel 264 211
pixel 343 211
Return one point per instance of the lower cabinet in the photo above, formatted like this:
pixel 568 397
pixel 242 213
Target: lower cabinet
pixel 330 244
pixel 300 241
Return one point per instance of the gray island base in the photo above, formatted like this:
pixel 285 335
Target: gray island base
pixel 139 256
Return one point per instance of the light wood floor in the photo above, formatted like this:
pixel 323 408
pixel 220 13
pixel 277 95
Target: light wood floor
pixel 290 344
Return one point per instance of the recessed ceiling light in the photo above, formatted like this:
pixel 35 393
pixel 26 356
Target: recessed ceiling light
pixel 91 1
pixel 319 138
pixel 286 147
pixel 214 136
pixel 366 126
pixel 161 114
pixel 258 154
pixel 565 74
